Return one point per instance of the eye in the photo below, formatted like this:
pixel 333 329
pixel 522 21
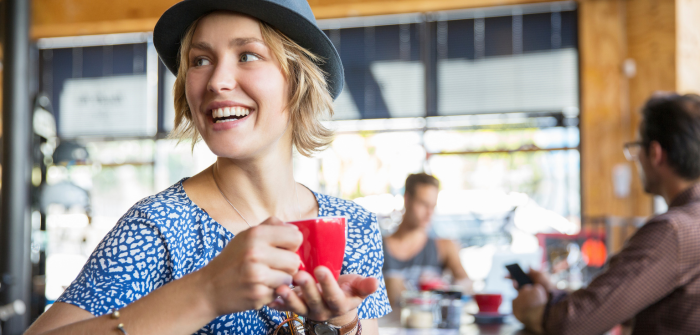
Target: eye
pixel 249 57
pixel 201 62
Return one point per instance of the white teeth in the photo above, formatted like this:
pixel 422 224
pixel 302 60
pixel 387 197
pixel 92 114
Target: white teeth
pixel 229 111
pixel 225 120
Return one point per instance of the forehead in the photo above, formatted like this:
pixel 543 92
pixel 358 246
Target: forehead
pixel 223 26
pixel 426 191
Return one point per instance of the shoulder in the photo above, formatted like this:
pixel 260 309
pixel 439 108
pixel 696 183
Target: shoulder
pixel 332 206
pixel 445 244
pixel 446 248
pixel 168 203
pixel 679 227
pixel 162 212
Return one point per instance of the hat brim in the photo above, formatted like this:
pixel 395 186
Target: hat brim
pixel 173 24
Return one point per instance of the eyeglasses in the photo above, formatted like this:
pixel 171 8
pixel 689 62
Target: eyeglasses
pixel 632 149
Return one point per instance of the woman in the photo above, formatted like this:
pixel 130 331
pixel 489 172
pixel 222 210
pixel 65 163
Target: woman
pixel 211 254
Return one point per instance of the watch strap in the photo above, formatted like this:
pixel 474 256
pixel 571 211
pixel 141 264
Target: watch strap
pixel 345 329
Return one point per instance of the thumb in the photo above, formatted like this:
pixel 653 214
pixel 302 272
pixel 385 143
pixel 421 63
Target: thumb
pixel 363 287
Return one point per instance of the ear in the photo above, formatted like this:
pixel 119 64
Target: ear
pixel 657 155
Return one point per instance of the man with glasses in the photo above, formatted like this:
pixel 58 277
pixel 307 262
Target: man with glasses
pixel 655 279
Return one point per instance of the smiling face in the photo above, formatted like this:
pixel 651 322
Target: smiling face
pixel 235 88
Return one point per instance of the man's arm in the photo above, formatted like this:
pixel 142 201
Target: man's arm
pixel 645 271
pixel 394 288
pixel 449 254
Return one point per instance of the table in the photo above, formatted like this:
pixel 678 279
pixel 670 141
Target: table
pixel 390 325
pixel 472 329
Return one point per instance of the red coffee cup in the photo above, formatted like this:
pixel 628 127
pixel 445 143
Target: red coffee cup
pixel 324 244
pixel 488 303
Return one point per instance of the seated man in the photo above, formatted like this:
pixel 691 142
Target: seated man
pixel 410 256
pixel 655 279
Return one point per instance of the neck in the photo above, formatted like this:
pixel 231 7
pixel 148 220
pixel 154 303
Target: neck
pixel 674 187
pixel 260 187
pixel 408 230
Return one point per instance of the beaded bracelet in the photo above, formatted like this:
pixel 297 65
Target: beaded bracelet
pixel 120 327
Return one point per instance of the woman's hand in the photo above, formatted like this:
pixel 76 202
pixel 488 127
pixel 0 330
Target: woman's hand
pixel 328 300
pixel 255 262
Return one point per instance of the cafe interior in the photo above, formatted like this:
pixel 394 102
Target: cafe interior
pixel 520 108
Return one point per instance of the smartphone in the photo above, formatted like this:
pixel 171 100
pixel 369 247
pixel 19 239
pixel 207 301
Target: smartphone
pixel 517 274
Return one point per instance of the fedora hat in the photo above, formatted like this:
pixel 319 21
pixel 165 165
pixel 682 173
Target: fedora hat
pixel 292 17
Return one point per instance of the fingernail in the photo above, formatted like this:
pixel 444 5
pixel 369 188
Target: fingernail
pixel 300 282
pixel 321 275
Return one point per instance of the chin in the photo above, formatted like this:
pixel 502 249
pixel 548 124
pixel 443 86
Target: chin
pixel 228 149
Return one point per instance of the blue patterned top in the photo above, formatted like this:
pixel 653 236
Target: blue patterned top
pixel 166 236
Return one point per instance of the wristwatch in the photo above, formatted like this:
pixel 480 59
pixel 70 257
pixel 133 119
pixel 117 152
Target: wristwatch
pixel 325 328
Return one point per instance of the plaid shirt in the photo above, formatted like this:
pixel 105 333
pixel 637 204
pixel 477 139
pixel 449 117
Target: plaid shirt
pixel 654 280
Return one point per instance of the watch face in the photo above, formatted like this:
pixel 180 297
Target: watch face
pixel 323 329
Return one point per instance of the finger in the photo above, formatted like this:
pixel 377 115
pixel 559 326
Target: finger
pixel 311 296
pixel 540 290
pixel 272 221
pixel 273 278
pixel 515 284
pixel 277 234
pixel 277 259
pixel 332 295
pixel 366 286
pixel 358 286
pixel 525 288
pixel 289 301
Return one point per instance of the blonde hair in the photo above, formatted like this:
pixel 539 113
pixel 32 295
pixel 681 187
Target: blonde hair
pixel 309 100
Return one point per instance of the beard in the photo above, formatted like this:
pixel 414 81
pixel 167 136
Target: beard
pixel 651 185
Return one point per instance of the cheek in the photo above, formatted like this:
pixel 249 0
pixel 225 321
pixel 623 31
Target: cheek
pixel 270 87
pixel 192 91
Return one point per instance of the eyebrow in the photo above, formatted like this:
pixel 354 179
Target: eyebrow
pixel 237 42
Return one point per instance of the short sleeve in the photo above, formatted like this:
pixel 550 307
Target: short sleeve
pixel 128 264
pixel 364 256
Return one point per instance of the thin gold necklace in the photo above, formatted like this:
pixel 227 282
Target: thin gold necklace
pixel 296 195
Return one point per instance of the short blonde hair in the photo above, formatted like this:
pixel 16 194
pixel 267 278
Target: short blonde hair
pixel 309 103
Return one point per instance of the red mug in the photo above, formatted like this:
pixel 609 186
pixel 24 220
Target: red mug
pixel 324 244
pixel 488 303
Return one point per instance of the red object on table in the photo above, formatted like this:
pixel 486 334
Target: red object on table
pixel 488 303
pixel 434 284
pixel 324 244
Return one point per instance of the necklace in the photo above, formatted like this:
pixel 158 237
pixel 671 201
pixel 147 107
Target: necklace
pixel 296 195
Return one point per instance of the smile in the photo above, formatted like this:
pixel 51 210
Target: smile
pixel 229 114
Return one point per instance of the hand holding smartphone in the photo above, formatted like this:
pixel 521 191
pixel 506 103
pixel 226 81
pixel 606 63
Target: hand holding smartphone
pixel 517 274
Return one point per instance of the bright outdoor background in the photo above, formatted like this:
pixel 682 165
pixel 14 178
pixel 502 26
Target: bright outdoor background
pixel 486 100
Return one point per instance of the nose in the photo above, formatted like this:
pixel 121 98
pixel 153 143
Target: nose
pixel 222 79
